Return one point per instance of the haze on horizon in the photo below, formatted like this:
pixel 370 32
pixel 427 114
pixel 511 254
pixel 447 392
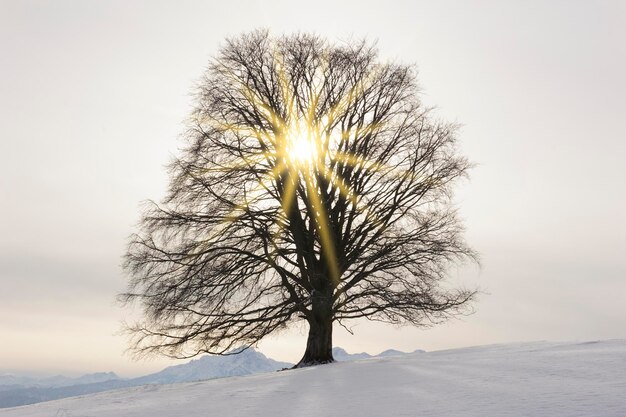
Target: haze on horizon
pixel 93 98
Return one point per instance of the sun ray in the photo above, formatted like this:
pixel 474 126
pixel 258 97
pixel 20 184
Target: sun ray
pixel 321 223
pixel 343 188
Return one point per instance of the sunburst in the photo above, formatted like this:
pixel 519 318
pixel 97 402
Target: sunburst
pixel 300 149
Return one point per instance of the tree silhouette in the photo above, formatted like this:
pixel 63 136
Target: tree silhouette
pixel 313 185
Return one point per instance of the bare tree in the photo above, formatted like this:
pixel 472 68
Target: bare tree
pixel 314 186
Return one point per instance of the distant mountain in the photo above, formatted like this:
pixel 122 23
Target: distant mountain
pixel 390 352
pixel 54 381
pixel 341 355
pixel 248 362
pixel 16 391
pixel 21 390
pixel 393 352
pixel 95 377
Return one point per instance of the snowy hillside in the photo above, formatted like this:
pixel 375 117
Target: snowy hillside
pixel 529 379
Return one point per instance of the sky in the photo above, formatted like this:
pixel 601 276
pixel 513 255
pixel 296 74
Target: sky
pixel 93 98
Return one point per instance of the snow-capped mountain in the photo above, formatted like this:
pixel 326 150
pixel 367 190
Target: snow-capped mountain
pixel 250 361
pixel 393 352
pixel 341 355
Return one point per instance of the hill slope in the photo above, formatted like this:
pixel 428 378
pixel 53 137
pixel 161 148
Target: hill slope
pixel 529 379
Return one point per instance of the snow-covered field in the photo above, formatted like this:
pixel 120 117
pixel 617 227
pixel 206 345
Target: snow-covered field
pixel 527 379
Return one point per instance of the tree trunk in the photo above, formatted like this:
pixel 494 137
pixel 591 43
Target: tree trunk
pixel 319 345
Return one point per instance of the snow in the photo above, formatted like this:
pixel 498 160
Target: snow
pixel 526 379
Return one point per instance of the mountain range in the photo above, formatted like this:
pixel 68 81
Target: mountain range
pixel 21 390
pixel 341 355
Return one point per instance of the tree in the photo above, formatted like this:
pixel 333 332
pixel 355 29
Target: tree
pixel 313 185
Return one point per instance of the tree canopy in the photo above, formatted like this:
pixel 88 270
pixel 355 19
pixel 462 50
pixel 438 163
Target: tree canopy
pixel 313 185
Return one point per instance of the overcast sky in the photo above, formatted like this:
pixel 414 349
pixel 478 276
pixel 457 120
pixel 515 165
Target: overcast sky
pixel 93 96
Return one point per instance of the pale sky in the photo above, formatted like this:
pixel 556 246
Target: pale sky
pixel 93 96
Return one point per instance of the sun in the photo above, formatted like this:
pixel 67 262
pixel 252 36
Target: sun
pixel 301 147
